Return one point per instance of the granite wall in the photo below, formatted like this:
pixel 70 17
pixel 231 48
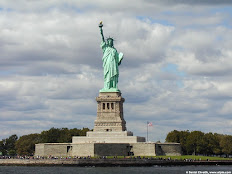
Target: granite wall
pixel 143 149
pixel 53 149
pixel 111 149
pixel 83 149
pixel 108 149
pixel 168 149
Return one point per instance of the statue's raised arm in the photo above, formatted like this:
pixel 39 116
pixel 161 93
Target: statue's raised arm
pixel 100 26
pixel 111 60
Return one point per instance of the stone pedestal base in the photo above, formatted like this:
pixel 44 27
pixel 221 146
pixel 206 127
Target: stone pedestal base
pixel 108 137
pixel 108 149
pixel 109 134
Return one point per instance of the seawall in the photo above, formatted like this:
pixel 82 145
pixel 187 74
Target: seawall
pixel 105 162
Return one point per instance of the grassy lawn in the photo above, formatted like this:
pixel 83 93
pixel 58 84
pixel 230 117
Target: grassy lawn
pixel 177 157
pixel 194 157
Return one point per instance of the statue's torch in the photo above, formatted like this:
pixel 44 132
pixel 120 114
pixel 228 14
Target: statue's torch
pixel 100 24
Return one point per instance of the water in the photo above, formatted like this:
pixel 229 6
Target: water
pixel 115 170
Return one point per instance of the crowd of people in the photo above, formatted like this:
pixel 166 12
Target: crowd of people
pixel 98 157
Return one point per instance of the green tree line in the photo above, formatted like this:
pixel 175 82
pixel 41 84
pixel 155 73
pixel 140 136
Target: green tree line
pixel 197 142
pixel 25 145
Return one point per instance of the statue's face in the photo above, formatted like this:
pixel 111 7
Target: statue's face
pixel 110 42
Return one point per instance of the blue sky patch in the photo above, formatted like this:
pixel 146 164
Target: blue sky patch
pixel 153 21
pixel 173 69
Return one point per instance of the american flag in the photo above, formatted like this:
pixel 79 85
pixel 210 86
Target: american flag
pixel 149 123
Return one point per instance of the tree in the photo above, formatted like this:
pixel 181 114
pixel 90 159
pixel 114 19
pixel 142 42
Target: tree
pixel 226 144
pixel 7 146
pixel 3 147
pixel 195 143
pixel 212 141
pixel 173 136
pixel 26 144
pixel 183 136
pixel 179 137
pixel 50 136
pixel 83 131
pixel 63 135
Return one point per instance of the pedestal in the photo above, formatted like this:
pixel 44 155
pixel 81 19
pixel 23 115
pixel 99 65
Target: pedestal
pixel 109 113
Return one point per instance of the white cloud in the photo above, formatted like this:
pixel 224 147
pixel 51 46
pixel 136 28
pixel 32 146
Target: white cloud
pixel 51 69
pixel 227 108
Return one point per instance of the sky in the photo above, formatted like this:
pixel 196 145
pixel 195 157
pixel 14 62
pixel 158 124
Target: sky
pixel 176 71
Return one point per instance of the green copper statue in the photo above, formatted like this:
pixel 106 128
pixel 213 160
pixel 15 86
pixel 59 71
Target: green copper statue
pixel 111 60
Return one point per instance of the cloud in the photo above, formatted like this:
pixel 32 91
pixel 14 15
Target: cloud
pixel 197 2
pixel 175 72
pixel 227 108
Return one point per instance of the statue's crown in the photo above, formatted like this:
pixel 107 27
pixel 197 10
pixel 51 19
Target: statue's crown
pixel 110 38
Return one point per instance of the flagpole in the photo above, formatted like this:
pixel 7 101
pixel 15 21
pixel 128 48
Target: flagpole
pixel 147 131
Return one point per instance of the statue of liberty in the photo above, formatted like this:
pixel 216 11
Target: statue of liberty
pixel 111 60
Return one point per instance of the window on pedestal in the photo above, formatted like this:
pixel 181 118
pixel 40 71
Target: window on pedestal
pixel 103 106
pixel 108 106
pixel 112 106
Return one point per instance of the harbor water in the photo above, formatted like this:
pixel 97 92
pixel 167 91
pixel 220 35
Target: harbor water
pixel 117 170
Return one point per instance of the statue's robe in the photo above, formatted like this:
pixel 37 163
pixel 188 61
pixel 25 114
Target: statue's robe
pixel 111 60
